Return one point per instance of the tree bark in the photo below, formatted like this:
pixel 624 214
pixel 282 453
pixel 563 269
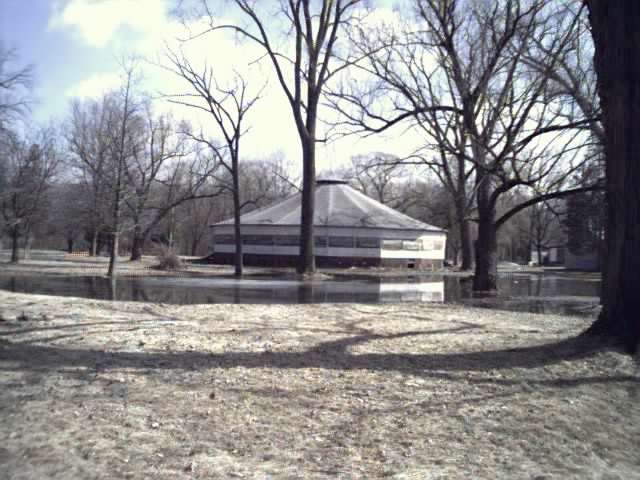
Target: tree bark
pixel 15 238
pixel 307 263
pixel 616 33
pixel 137 244
pixel 113 255
pixel 486 273
pixel 93 249
pixel 195 242
pixel 236 215
pixel 466 243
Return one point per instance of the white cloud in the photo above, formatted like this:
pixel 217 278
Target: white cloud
pixel 95 85
pixel 98 21
pixel 143 28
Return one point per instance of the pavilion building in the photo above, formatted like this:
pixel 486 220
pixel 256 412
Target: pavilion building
pixel 350 229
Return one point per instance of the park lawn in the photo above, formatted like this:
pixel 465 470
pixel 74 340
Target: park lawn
pixel 114 390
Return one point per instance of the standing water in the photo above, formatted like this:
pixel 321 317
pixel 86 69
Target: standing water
pixel 540 293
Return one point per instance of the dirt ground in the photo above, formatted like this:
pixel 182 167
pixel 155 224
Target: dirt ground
pixel 115 390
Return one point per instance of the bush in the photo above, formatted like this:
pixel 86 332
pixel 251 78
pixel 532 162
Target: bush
pixel 168 260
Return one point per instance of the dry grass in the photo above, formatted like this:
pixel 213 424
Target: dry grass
pixel 92 389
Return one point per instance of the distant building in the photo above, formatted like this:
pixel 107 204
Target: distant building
pixel 350 228
pixel 550 256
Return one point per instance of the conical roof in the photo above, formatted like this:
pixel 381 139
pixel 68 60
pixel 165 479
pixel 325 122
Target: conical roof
pixel 336 205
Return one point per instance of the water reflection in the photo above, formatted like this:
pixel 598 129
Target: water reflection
pixel 536 293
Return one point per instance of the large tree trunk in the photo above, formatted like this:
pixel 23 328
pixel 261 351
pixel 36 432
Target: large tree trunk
pixel 195 242
pixel 616 32
pixel 137 243
pixel 307 263
pixel 466 242
pixel 137 247
pixel 486 273
pixel 15 238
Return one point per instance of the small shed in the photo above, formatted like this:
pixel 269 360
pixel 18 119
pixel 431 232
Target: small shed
pixel 350 229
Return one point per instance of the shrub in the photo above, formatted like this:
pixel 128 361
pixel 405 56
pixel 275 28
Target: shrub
pixel 168 259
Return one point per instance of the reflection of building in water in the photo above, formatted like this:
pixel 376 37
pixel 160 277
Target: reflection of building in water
pixel 351 229
pixel 412 292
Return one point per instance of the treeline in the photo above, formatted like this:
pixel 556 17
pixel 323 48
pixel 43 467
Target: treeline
pixel 502 95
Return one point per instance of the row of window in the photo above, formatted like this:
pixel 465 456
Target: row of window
pixel 323 242
pixel 294 240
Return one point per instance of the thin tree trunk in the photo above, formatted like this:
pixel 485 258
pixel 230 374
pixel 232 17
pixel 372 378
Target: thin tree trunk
pixel 616 31
pixel 94 244
pixel 466 243
pixel 115 237
pixel 69 245
pixel 539 252
pixel 236 215
pixel 15 237
pixel 113 255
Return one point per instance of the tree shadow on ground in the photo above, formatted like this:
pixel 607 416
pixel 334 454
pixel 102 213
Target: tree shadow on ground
pixel 329 355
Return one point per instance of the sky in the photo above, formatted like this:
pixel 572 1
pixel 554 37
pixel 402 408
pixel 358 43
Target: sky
pixel 75 47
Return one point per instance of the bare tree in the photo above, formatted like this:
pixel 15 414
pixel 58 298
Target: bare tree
pixel 303 76
pixel 228 106
pixel 488 107
pixel 104 139
pixel 406 82
pixel 375 175
pixel 15 83
pixel 265 181
pixel 544 230
pixel 164 172
pixel 66 218
pixel 88 139
pixel 29 170
pixel 617 58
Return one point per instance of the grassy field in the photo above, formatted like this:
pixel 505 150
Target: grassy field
pixel 97 389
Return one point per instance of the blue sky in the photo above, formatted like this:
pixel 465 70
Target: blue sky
pixel 75 45
pixel 60 60
pixel 63 56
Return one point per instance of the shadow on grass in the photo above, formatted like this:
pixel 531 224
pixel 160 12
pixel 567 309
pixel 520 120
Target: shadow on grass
pixel 330 355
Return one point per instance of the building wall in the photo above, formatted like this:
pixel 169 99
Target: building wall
pixel 388 244
pixel 257 260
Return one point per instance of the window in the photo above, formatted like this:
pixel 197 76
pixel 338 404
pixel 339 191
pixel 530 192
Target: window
pixel 257 240
pixel 392 244
pixel 287 240
pixel 367 242
pixel 344 242
pixel 437 246
pixel 321 242
pixel 401 245
pixel 224 239
pixel 411 245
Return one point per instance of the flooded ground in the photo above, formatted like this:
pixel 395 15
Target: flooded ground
pixel 540 293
